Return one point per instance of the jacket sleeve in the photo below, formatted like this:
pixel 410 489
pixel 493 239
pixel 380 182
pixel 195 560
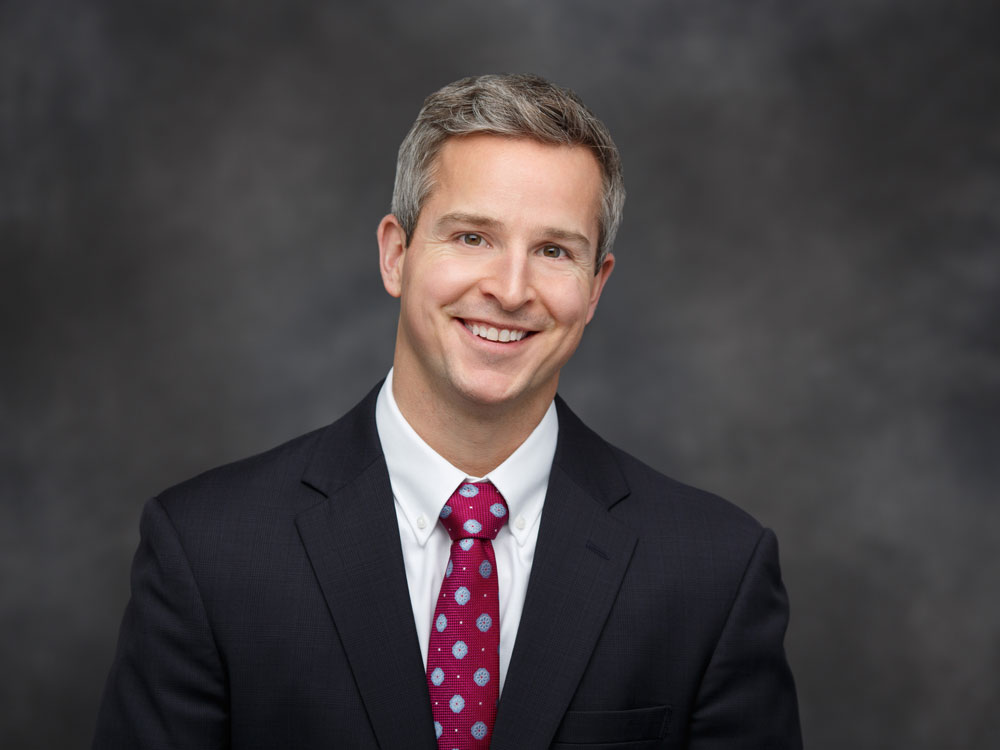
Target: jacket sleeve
pixel 167 687
pixel 747 696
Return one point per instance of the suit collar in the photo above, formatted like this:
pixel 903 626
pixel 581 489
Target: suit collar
pixel 579 451
pixel 352 539
pixel 584 456
pixel 346 448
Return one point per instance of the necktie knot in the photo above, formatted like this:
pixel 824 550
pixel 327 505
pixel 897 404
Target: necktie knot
pixel 476 510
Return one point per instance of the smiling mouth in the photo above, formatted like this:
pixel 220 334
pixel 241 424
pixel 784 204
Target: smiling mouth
pixel 491 333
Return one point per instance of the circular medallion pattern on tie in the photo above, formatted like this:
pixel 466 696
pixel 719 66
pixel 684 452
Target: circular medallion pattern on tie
pixel 463 653
pixel 481 677
pixel 438 729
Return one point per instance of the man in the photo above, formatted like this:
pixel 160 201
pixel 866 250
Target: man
pixel 568 596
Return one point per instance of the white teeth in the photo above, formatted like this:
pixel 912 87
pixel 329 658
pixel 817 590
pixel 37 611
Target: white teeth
pixel 493 334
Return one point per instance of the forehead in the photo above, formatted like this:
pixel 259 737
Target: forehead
pixel 518 180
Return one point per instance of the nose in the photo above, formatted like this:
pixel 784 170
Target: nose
pixel 509 280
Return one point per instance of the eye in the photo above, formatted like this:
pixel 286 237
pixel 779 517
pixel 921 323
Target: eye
pixel 553 251
pixel 472 239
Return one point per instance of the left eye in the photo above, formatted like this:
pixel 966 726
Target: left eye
pixel 472 239
pixel 553 251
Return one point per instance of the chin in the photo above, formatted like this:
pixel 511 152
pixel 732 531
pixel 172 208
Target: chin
pixel 491 397
pixel 492 391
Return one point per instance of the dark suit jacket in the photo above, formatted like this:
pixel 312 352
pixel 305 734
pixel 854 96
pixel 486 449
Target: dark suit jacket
pixel 270 609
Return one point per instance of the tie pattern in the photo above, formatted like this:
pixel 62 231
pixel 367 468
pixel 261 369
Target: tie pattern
pixel 463 658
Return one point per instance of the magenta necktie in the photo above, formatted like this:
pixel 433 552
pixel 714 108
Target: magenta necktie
pixel 463 658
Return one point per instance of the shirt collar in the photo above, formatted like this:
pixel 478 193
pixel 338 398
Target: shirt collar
pixel 422 480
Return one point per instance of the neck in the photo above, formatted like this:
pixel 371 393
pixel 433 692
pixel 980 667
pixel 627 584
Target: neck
pixel 473 437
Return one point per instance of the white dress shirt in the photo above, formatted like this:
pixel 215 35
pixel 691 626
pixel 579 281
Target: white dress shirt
pixel 422 481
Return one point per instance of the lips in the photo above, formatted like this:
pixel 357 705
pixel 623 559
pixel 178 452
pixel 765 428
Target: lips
pixel 492 333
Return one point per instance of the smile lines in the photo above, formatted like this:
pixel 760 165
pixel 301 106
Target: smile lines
pixel 495 334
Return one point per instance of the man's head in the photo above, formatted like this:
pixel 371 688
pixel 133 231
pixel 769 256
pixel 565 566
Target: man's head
pixel 518 106
pixel 507 198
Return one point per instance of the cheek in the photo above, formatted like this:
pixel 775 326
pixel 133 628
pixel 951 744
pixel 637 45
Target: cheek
pixel 569 304
pixel 454 279
pixel 433 285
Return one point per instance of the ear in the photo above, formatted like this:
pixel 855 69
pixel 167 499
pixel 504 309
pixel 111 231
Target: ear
pixel 598 282
pixel 391 252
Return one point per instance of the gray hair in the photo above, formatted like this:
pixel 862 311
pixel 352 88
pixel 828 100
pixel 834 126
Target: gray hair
pixel 522 105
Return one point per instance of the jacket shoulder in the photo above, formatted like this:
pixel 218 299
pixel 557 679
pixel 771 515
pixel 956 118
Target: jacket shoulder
pixel 267 480
pixel 652 489
pixel 283 480
pixel 648 501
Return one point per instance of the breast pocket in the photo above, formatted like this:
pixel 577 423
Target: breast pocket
pixel 630 729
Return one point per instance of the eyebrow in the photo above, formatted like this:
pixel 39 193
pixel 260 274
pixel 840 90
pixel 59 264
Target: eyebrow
pixel 564 235
pixel 487 222
pixel 457 217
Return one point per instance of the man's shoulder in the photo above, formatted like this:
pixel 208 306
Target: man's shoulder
pixel 262 479
pixel 681 526
pixel 281 480
pixel 655 492
pixel 648 498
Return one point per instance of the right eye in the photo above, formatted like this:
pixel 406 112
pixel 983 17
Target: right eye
pixel 471 239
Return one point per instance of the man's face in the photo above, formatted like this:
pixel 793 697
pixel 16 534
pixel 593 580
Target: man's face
pixel 498 281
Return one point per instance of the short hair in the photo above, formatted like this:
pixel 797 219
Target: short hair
pixel 519 106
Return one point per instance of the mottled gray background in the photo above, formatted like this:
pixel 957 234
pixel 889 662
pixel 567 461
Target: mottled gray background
pixel 804 316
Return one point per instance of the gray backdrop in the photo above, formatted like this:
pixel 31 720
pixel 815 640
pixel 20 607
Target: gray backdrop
pixel 804 316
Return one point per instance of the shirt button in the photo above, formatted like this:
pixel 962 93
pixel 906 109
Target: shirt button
pixel 520 522
pixel 422 522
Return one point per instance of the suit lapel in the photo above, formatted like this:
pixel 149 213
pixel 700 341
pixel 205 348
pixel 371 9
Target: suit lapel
pixel 581 557
pixel 352 539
